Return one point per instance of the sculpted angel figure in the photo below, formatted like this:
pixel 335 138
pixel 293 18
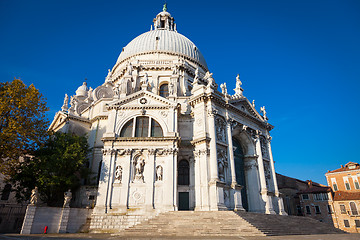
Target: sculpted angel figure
pixel 223 89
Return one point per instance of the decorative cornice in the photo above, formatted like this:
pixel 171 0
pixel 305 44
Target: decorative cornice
pixel 140 139
pixel 98 118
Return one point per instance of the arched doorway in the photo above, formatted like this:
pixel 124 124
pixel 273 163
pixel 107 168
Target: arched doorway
pixel 239 171
pixel 184 181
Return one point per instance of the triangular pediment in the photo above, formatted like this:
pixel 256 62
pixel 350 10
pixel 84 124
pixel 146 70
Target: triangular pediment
pixel 59 120
pixel 244 105
pixel 142 99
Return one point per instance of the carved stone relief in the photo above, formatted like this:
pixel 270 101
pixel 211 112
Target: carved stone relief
pixel 267 173
pixel 250 165
pixel 264 147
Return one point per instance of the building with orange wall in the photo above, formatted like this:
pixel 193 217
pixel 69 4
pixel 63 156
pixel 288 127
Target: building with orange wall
pixel 344 183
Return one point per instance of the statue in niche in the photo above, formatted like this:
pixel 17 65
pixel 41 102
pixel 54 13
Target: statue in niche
pixel 65 104
pixel 159 173
pixel 34 196
pixel 221 170
pixel 220 130
pixel 139 168
pixel 118 173
pixel 67 198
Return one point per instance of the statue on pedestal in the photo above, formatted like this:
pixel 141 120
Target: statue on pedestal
pixel 67 198
pixel 34 196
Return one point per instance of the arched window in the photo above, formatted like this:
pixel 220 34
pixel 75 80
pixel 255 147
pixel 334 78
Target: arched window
pixel 183 173
pixel 127 130
pixel 353 209
pixel 143 127
pixel 6 192
pixel 164 90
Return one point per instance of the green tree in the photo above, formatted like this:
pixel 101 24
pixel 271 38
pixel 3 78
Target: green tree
pixel 56 166
pixel 22 123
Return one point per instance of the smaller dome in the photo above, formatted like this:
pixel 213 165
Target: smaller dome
pixel 82 90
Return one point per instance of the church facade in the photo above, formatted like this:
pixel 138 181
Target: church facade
pixel 164 138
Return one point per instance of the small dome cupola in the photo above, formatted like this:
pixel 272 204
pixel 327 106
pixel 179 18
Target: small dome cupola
pixel 82 90
pixel 164 20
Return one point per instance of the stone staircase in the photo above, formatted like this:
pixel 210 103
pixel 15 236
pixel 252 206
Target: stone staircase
pixel 225 224
pixel 287 225
pixel 193 224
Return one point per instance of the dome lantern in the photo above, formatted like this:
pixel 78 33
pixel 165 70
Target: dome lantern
pixel 164 20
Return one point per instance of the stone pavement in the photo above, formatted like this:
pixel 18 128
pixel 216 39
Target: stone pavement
pixel 80 236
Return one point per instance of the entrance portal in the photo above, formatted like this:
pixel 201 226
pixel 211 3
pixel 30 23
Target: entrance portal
pixel 239 171
pixel 183 201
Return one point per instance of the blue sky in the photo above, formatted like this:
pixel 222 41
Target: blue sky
pixel 301 59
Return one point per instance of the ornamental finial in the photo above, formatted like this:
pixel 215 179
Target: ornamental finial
pixel 165 7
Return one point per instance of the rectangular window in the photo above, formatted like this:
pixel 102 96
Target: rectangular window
pixel 305 197
pixel 357 186
pixel 342 209
pixel 299 212
pixel 325 196
pixel 329 209
pixel 317 210
pixel 335 187
pixel 317 196
pixel 346 223
pixel 347 186
pixel 308 211
pixel 357 223
pixel 142 127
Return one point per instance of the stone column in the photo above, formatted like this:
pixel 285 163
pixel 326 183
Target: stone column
pixel 252 179
pixel 213 155
pixel 264 190
pixel 101 200
pixel 272 168
pixel 175 193
pixel 110 180
pixel 28 220
pixel 126 178
pixel 149 202
pixel 201 179
pixel 236 189
pixel 214 179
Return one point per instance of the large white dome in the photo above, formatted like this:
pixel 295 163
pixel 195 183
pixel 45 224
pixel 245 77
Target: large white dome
pixel 162 40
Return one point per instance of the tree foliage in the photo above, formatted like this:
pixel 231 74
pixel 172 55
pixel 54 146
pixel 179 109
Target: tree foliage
pixel 22 122
pixel 56 166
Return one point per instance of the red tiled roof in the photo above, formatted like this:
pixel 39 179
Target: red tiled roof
pixel 316 189
pixel 341 195
pixel 346 167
